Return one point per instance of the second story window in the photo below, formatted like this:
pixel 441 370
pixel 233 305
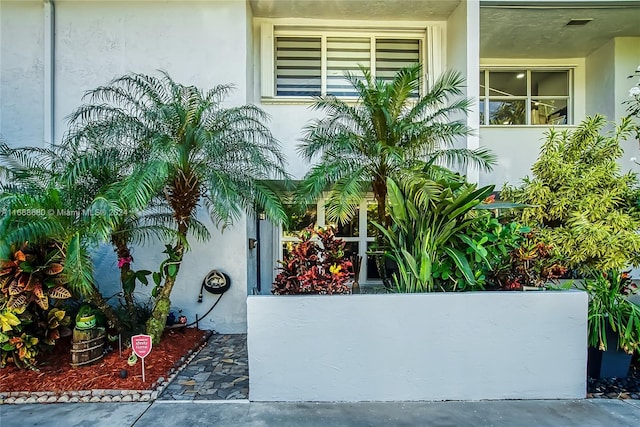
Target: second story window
pixel 302 63
pixel 525 97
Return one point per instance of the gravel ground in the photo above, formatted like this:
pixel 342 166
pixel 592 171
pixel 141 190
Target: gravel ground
pixel 617 388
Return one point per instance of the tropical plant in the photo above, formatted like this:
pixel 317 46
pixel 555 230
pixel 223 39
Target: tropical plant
pixel 29 281
pixel 313 267
pixel 610 308
pixel 531 263
pixel 42 205
pixel 430 220
pixel 388 130
pixel 583 205
pixel 488 245
pixel 192 149
pixel 98 169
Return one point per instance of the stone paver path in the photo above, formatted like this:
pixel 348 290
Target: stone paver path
pixel 219 372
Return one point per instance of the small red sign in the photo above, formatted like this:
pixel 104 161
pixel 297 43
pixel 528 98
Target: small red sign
pixel 141 345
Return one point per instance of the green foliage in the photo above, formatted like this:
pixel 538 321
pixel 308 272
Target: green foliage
pixel 583 205
pixel 609 306
pixel 428 236
pixel 531 263
pixel 191 149
pixel 487 244
pixel 387 131
pixel 31 282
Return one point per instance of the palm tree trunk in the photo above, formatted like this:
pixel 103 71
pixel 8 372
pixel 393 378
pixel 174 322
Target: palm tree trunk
pixel 157 322
pixel 380 194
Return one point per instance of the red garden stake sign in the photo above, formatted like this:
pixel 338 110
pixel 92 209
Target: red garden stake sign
pixel 141 345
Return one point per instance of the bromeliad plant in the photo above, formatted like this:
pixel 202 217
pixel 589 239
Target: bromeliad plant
pixel 315 265
pixel 610 308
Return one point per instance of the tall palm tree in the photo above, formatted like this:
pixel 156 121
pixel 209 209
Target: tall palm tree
pixel 192 149
pixel 389 130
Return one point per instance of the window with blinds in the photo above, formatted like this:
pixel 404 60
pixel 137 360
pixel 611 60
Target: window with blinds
pixel 312 66
pixel 298 61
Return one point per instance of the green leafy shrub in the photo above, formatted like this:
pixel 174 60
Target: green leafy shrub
pixel 313 267
pixel 29 282
pixel 584 207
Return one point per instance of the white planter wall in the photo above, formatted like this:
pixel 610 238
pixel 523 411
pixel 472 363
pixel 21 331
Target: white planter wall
pixel 464 346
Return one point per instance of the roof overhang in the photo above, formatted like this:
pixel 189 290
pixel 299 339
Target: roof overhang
pixel 379 10
pixel 538 29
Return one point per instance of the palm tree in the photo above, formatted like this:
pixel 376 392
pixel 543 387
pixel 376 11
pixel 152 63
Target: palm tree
pixel 97 168
pixel 192 150
pixel 389 130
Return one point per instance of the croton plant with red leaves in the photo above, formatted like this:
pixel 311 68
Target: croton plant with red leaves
pixel 315 265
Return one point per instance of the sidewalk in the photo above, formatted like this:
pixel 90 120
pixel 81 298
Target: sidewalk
pixel 583 413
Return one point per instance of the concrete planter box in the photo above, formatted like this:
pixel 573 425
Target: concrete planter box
pixel 455 346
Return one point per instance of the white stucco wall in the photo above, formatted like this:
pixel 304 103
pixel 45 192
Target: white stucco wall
pixel 600 84
pixel 201 43
pixel 227 252
pixel 441 346
pixel 21 73
pixel 627 60
pixel 462 47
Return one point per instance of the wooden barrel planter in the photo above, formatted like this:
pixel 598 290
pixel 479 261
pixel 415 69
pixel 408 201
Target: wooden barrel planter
pixel 87 346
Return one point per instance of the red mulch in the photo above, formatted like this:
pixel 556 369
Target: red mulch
pixel 56 374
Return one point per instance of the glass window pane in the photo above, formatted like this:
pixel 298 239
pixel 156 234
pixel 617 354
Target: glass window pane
pixel 549 111
pixel 395 54
pixel 298 66
pixel 372 269
pixel 550 83
pixel 299 219
pixel 349 229
pixel 345 54
pixel 507 112
pixel 482 85
pixel 372 214
pixel 481 108
pixel 507 83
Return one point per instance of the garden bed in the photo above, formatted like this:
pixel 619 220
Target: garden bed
pixel 55 378
pixel 441 346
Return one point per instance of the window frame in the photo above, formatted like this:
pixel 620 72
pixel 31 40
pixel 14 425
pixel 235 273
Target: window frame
pixel 429 34
pixel 485 98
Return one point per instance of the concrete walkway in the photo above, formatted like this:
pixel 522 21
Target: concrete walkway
pixel 583 413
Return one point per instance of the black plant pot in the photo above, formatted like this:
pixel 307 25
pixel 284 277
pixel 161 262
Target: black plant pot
pixel 610 363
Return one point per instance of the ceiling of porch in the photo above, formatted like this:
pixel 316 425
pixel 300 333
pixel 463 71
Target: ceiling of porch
pixel 380 10
pixel 539 29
